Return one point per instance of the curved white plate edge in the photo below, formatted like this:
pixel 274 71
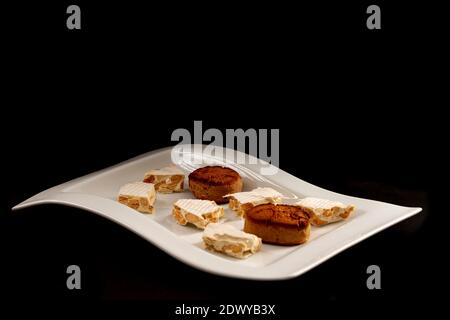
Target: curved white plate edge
pixel 43 194
pixel 46 197
pixel 95 174
pixel 312 186
pixel 347 244
pixel 70 199
pixel 179 252
pixel 347 240
pixel 130 161
pixel 269 272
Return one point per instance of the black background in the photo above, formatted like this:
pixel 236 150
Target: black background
pixel 357 112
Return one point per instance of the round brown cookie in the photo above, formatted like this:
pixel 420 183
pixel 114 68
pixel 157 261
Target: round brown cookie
pixel 214 182
pixel 278 224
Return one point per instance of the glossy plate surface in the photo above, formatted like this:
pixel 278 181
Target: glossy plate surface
pixel 97 192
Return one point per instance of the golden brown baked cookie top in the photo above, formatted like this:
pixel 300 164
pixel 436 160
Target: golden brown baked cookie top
pixel 280 214
pixel 215 175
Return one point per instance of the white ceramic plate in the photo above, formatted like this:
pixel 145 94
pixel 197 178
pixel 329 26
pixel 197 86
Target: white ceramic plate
pixel 97 192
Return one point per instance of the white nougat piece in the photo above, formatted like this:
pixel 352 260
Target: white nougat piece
pixel 166 180
pixel 324 211
pixel 138 195
pixel 198 212
pixel 243 201
pixel 231 241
